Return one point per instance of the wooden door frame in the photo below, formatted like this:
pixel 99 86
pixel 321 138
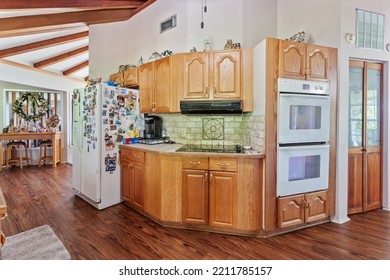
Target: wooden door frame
pixel 366 65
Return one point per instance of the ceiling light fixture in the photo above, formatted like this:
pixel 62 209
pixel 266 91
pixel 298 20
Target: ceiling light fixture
pixel 203 10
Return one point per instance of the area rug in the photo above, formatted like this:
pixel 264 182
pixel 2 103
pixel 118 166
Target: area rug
pixel 40 243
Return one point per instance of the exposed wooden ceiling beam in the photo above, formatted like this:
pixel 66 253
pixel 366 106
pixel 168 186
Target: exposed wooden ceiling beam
pixel 61 57
pixel 76 68
pixel 25 23
pixel 143 6
pixel 42 44
pixel 42 4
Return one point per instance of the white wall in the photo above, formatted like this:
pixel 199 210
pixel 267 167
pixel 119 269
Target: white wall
pixel 347 51
pixel 108 48
pixel 318 18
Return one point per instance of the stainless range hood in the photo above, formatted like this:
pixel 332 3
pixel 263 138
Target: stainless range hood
pixel 211 107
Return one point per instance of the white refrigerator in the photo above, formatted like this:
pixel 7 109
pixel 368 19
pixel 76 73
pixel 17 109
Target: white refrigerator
pixel 103 116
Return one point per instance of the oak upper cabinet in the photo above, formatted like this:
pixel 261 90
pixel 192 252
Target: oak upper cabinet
pixel 299 209
pixel 155 86
pixel 130 77
pixel 117 78
pixel 213 75
pixel 196 77
pixel 301 61
pixel 133 177
pixel 227 74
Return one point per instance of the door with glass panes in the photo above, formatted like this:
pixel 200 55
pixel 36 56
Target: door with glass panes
pixel 365 136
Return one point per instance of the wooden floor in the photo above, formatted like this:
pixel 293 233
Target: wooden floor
pixel 39 196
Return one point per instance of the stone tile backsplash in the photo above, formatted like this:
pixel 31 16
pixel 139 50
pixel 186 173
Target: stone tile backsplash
pixel 245 129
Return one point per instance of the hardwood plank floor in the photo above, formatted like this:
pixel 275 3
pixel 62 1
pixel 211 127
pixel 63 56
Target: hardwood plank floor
pixel 38 196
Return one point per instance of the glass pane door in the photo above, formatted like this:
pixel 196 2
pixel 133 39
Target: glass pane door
pixel 355 107
pixel 373 107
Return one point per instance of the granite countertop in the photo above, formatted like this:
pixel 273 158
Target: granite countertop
pixel 171 149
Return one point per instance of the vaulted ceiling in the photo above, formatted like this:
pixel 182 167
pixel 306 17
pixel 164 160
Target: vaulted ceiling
pixel 52 35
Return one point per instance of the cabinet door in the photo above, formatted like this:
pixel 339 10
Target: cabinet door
pixel 137 184
pixel 125 179
pixel 291 211
pixel 316 206
pixel 195 197
pixel 292 60
pixel 317 63
pixel 117 78
pixel 146 87
pixel 162 84
pixel 130 77
pixel 227 74
pixel 196 77
pixel 223 199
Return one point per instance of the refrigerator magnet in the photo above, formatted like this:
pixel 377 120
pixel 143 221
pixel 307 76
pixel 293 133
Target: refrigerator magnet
pixel 104 113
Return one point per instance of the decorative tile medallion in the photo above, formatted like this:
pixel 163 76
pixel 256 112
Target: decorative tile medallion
pixel 213 129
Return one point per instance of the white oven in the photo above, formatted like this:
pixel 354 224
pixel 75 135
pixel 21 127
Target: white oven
pixel 302 168
pixel 304 111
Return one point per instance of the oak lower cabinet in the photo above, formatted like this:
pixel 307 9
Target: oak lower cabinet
pixel 133 178
pixel 300 209
pixel 210 195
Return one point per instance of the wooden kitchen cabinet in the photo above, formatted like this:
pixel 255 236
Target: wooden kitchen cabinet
pixel 195 197
pixel 210 196
pixel 133 178
pixel 117 78
pixel 213 75
pixel 299 209
pixel 155 86
pixel 301 61
pixel 130 77
pixel 223 199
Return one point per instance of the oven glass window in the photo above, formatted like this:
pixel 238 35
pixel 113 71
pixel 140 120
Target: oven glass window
pixel 304 167
pixel 305 117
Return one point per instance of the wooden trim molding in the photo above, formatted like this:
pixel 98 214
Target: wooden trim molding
pixel 80 4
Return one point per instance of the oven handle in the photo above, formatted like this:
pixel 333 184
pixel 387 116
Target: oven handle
pixel 304 95
pixel 305 147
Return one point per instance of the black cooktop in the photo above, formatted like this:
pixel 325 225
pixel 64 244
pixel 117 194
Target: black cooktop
pixel 211 148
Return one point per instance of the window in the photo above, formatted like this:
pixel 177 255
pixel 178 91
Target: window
pixel 53 99
pixel 370 30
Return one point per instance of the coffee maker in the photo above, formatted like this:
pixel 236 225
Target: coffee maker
pixel 153 127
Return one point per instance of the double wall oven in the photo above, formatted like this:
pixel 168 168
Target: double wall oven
pixel 303 136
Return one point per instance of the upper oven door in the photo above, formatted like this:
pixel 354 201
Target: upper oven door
pixel 303 118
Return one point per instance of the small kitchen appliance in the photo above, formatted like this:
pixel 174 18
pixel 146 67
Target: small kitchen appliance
pixel 153 127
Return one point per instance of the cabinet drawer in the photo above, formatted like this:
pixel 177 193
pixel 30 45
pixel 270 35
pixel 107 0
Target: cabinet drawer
pixel 223 164
pixel 195 163
pixel 138 156
pixel 125 153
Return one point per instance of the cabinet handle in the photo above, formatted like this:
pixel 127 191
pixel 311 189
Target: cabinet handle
pixel 130 165
pixel 137 156
pixel 215 91
pixel 207 91
pixel 195 163
pixel 223 164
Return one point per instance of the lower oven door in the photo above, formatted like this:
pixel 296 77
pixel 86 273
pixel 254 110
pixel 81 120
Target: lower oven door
pixel 302 169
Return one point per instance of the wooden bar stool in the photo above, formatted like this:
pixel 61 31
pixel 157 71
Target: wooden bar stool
pixel 43 157
pixel 19 145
